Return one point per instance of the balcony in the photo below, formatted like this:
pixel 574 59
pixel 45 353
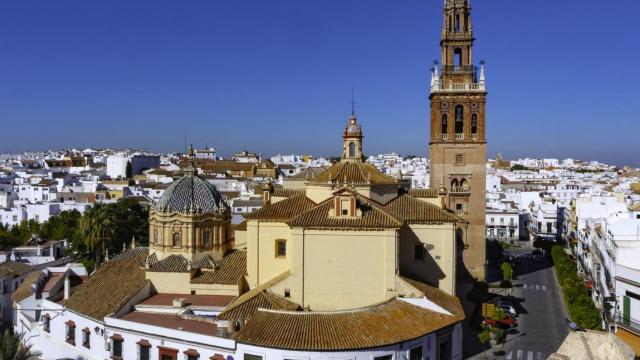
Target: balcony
pixel 458 69
pixel 453 87
pixel 460 190
pixel 445 137
pixel 629 325
pixel 459 136
pixel 474 137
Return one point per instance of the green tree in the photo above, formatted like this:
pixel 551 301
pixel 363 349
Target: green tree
pixel 96 228
pixel 12 347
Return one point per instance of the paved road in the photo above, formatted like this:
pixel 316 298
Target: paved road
pixel 541 323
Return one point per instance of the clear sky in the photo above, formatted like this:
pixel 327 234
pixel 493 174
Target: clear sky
pixel 276 76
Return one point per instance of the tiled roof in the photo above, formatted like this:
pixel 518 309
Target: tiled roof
pixel 282 210
pixel 228 271
pixel 392 322
pixel 191 193
pixel 246 305
pixel 172 263
pixel 13 268
pixel 424 193
pixel 448 302
pixel 374 216
pixel 111 286
pixel 415 211
pixel 24 290
pixel 239 227
pixel 353 172
pixel 279 192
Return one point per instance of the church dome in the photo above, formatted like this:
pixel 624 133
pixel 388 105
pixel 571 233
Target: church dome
pixel 191 194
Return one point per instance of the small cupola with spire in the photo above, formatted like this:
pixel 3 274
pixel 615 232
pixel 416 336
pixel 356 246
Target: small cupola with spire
pixel 352 148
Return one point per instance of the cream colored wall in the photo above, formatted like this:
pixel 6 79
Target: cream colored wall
pixel 320 193
pixel 337 270
pixel 380 193
pixel 262 264
pixel 217 289
pixel 240 239
pixel 439 266
pixel 170 283
pixel 433 201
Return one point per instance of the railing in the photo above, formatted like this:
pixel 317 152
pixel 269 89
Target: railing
pixel 474 137
pixel 445 137
pixel 629 324
pixel 458 69
pixel 455 87
pixel 459 136
pixel 460 190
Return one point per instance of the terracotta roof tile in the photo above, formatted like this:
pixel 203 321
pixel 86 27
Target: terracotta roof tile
pixel 111 286
pixel 247 305
pixel 374 216
pixel 279 192
pixel 228 271
pixel 172 263
pixel 380 325
pixel 423 193
pixel 353 172
pixel 14 268
pixel 415 211
pixel 24 290
pixel 282 210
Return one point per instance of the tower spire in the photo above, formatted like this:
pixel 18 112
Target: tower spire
pixel 353 102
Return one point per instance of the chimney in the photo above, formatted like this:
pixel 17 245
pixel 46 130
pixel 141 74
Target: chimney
pixel 67 286
pixel 267 189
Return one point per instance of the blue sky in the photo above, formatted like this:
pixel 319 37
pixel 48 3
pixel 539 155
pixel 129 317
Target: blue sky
pixel 276 76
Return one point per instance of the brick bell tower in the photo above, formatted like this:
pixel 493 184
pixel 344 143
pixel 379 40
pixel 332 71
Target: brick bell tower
pixel 458 146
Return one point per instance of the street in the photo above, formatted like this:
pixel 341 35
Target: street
pixel 541 322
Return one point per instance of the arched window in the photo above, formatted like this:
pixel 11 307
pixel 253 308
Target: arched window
pixel 450 23
pixel 459 119
pixel 454 184
pixel 457 25
pixel 474 123
pixel 352 149
pixel 177 240
pixel 457 57
pixel 445 124
pixel 464 185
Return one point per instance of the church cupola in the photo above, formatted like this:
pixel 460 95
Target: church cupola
pixel 352 148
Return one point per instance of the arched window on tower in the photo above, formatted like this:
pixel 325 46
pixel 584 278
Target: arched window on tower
pixel 445 124
pixel 352 149
pixel 459 119
pixel 177 240
pixel 457 57
pixel 454 185
pixel 457 25
pixel 474 124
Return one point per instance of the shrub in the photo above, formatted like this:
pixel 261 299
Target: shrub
pixel 582 310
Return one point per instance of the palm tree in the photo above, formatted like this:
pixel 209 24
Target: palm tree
pixel 96 226
pixel 12 347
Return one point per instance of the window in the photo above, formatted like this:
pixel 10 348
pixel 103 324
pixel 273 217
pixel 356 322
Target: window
pixel 352 149
pixel 281 248
pixel 177 240
pixel 459 209
pixel 116 346
pixel 456 26
pixel 46 323
pixel 474 123
pixel 86 338
pixel 549 227
pixel 206 238
pixel 345 204
pixel 459 159
pixel 384 357
pixel 252 357
pixel 459 119
pixel 191 354
pixel 287 293
pixel 144 350
pixel 415 353
pixel 501 221
pixel 444 347
pixel 418 252
pixel 457 57
pixel 492 221
pixel 70 334
pixel 445 125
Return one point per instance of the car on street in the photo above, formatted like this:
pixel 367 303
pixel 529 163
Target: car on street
pixel 508 308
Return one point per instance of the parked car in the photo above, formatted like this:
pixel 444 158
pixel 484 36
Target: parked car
pixel 506 322
pixel 508 308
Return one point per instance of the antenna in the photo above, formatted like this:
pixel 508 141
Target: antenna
pixel 353 102
pixel 185 144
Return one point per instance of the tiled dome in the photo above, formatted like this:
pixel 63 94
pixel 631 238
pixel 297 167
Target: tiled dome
pixel 191 194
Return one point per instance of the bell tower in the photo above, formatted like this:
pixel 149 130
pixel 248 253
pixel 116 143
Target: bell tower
pixel 457 146
pixel 352 140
